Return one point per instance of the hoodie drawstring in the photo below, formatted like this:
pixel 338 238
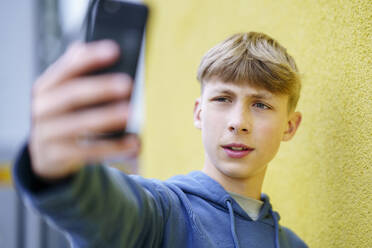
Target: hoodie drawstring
pixel 233 232
pixel 276 229
pixel 232 222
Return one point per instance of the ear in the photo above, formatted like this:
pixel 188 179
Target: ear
pixel 197 111
pixel 293 123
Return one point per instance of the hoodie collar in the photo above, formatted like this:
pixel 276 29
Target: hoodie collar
pixel 200 184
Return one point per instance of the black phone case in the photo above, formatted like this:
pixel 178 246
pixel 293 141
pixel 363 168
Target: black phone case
pixel 123 22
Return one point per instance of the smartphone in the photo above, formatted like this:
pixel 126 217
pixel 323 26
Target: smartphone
pixel 123 22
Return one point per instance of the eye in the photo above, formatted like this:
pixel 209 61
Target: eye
pixel 222 99
pixel 261 105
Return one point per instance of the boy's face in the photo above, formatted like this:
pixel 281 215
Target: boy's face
pixel 228 115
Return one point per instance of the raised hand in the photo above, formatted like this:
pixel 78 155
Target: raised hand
pixel 66 108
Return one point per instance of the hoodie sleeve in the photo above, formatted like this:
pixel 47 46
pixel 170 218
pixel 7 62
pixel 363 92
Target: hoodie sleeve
pixel 97 207
pixel 289 239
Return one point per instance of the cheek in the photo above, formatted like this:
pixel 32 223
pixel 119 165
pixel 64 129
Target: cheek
pixel 268 132
pixel 267 138
pixel 212 125
pixel 208 117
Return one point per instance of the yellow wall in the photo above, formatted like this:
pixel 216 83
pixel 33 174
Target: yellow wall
pixel 320 181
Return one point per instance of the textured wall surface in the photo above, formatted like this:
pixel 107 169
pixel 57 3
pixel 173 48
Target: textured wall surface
pixel 321 181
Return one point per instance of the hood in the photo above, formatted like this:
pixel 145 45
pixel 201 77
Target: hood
pixel 199 184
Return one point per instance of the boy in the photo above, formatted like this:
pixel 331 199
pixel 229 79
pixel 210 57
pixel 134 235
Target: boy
pixel 250 88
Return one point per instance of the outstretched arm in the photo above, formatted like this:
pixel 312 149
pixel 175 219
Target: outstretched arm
pixel 91 203
pixel 97 207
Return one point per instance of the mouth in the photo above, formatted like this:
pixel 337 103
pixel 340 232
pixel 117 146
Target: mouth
pixel 235 150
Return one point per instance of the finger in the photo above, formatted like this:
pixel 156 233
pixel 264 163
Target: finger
pixel 82 92
pixel 79 59
pixel 88 121
pixel 75 155
pixel 126 147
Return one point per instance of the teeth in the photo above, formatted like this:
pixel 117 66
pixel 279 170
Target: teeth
pixel 237 148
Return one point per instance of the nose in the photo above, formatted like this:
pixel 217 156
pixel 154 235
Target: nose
pixel 239 120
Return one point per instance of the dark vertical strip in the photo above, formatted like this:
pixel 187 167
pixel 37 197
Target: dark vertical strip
pixel 48 47
pixel 20 223
pixel 43 234
pixel 49 43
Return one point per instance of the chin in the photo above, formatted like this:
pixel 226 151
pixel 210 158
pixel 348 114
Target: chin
pixel 235 171
pixel 239 171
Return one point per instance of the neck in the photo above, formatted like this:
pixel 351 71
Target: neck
pixel 248 186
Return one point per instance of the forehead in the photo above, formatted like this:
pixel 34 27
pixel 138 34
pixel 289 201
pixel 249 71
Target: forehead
pixel 220 87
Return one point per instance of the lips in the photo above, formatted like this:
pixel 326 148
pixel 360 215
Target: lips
pixel 235 150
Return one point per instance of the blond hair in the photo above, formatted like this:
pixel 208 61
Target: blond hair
pixel 256 59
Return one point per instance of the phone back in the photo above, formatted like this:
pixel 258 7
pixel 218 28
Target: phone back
pixel 123 22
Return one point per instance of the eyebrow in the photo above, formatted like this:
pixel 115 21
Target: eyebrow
pixel 254 95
